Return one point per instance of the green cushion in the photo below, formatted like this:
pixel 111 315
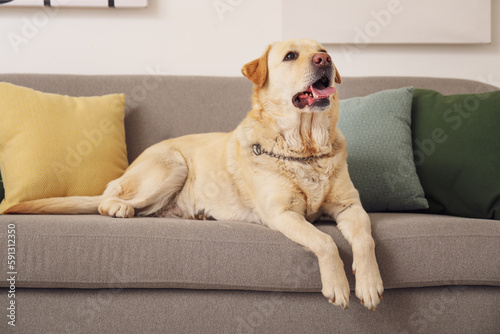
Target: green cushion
pixel 457 152
pixel 380 154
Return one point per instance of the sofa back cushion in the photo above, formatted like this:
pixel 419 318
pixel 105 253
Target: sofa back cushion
pixel 380 160
pixel 161 107
pixel 53 145
pixel 457 152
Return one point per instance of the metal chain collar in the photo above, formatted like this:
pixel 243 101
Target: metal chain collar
pixel 258 150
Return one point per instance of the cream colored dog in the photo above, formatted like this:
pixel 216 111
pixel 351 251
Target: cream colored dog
pixel 283 166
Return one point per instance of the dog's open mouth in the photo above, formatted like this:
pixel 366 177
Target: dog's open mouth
pixel 317 95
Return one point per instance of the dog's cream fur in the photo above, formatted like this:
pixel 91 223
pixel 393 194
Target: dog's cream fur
pixel 218 176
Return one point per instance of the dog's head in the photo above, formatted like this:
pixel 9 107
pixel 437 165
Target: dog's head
pixel 295 74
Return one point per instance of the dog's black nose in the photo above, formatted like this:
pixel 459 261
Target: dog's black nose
pixel 322 59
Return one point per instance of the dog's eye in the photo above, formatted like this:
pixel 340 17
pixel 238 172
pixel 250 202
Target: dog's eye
pixel 291 56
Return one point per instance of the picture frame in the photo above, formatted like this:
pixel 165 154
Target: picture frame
pixel 388 21
pixel 76 3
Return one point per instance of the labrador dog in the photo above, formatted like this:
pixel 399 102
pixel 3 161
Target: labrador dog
pixel 284 166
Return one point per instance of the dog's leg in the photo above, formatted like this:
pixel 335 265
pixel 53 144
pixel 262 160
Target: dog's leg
pixel 343 204
pixel 354 223
pixel 352 220
pixel 334 281
pixel 147 186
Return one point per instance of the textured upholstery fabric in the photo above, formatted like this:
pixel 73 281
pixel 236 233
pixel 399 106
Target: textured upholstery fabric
pixel 54 146
pixel 158 107
pixel 422 253
pixel 161 107
pixel 457 152
pixel 413 250
pixel 443 310
pixel 379 143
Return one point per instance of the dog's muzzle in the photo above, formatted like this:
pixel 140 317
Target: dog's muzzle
pixel 318 92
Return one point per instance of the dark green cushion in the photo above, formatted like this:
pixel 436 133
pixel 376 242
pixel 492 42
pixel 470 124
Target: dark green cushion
pixel 456 142
pixel 379 147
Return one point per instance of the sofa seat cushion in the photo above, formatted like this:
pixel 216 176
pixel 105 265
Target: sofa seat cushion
pixel 91 251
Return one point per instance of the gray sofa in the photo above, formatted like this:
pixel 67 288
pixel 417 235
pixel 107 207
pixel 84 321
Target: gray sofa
pixel 93 274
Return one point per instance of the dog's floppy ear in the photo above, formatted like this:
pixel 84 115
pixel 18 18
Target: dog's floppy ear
pixel 338 79
pixel 256 70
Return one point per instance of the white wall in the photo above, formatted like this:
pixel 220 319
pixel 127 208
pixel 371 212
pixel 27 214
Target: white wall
pixel 189 37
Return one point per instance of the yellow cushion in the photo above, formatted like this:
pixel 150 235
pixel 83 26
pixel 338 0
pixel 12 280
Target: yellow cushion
pixel 54 146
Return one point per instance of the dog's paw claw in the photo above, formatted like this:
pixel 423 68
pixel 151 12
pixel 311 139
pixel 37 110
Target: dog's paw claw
pixel 344 305
pixel 369 297
pixel 369 286
pixel 339 297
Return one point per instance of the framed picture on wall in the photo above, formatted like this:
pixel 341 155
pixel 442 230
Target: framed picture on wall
pixel 75 3
pixel 389 21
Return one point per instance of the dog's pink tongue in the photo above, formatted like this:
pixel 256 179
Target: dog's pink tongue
pixel 323 93
pixel 319 93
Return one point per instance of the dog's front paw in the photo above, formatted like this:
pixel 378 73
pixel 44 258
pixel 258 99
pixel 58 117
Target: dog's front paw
pixel 369 286
pixel 338 291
